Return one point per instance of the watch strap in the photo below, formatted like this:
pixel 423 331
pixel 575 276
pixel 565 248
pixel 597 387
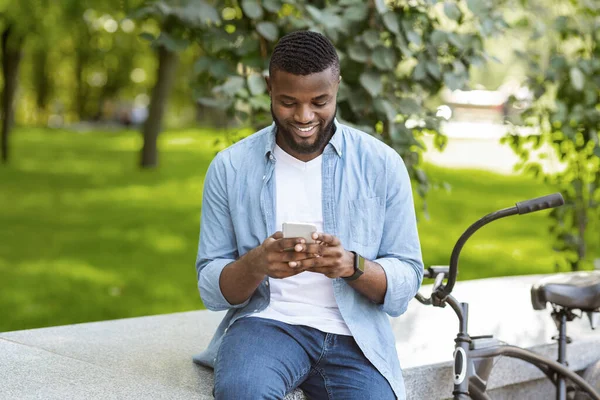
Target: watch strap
pixel 358 268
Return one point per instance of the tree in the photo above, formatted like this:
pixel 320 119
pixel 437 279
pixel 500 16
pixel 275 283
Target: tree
pixel 12 38
pixel 394 56
pixel 179 21
pixel 564 77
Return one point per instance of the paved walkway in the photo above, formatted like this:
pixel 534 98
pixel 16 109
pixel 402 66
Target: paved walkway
pixel 477 145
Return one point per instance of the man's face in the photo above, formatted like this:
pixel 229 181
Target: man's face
pixel 303 109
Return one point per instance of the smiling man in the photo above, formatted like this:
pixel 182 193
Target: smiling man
pixel 315 317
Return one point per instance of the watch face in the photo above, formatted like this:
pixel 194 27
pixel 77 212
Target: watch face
pixel 361 263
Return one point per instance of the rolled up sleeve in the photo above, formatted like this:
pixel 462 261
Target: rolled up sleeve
pixel 400 251
pixel 218 246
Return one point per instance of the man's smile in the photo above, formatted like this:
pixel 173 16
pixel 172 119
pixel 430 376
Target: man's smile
pixel 305 131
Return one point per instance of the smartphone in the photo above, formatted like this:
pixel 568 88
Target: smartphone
pixel 299 229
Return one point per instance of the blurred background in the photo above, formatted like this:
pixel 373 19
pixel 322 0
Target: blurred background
pixel 112 110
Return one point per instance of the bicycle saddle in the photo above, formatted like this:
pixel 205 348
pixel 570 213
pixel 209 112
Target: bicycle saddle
pixel 575 290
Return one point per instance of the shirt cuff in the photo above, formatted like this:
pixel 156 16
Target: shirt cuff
pixel 402 284
pixel 210 288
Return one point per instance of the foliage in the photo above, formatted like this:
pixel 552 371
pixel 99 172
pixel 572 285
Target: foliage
pixel 564 77
pixel 92 237
pixel 394 55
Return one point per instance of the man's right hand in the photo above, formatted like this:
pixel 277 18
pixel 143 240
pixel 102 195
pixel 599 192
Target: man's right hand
pixel 274 255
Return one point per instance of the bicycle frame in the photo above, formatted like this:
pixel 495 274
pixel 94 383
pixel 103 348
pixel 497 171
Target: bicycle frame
pixel 473 365
pixel 472 357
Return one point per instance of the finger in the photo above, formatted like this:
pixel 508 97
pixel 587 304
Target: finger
pixel 327 239
pixel 315 262
pixel 285 244
pixel 313 248
pixel 295 256
pixel 277 235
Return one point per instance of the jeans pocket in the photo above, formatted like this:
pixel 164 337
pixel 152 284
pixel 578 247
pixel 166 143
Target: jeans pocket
pixel 366 220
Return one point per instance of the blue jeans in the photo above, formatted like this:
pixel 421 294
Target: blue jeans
pixel 265 359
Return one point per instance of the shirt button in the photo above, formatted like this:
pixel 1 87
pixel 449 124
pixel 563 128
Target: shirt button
pixel 264 176
pixel 267 283
pixel 225 330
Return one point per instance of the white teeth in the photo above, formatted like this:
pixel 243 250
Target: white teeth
pixel 305 129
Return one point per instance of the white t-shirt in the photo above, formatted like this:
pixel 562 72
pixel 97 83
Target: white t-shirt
pixel 307 298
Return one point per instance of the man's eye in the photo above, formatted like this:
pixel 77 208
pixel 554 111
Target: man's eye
pixel 320 104
pixel 283 103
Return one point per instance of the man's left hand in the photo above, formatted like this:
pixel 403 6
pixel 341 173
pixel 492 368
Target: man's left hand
pixel 332 259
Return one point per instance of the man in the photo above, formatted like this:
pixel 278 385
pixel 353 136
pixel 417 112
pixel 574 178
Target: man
pixel 315 317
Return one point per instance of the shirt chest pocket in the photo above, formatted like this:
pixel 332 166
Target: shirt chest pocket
pixel 366 216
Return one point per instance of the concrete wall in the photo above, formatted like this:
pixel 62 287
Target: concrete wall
pixel 150 357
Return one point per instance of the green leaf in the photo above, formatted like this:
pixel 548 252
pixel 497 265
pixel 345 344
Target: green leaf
pixel 171 43
pixel 409 106
pixel 252 9
pixel 384 58
pixel 371 82
pixel 381 6
pixel 315 13
pixel 260 102
pixel 434 69
pixel 577 78
pixel 147 36
pixel 359 102
pixel 371 38
pixel 452 11
pixel 391 22
pixel 202 64
pixel 220 69
pixel 268 30
pixel 419 73
pixel 220 104
pixel 358 12
pixel 231 86
pixel 199 12
pixel 272 5
pixel 453 81
pixel 256 84
pixel 414 38
pixel 438 38
pixel 476 6
pixel 459 67
pixel 386 108
pixel 358 52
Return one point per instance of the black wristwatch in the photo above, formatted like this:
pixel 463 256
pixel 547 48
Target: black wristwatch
pixel 359 268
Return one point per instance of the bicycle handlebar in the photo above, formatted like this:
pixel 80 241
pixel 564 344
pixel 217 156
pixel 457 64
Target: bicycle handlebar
pixel 524 207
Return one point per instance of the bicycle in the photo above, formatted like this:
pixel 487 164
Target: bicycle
pixel 474 355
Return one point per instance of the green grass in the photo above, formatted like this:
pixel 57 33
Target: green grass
pixel 87 236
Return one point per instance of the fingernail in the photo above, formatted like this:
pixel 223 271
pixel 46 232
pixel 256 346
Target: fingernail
pixel 298 247
pixel 293 264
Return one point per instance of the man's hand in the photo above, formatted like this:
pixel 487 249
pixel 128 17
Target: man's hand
pixel 331 259
pixel 275 256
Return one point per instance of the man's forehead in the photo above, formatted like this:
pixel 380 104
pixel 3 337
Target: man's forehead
pixel 322 82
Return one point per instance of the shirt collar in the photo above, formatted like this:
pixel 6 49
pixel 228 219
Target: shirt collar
pixel 335 141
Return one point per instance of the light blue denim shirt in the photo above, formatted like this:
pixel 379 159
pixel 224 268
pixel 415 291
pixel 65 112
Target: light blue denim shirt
pixel 367 204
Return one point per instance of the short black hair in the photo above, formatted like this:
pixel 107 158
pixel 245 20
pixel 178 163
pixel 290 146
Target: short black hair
pixel 304 53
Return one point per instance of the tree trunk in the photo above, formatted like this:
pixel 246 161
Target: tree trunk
pixel 41 80
pixel 12 51
pixel 167 66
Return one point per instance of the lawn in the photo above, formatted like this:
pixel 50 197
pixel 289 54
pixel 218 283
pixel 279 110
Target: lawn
pixel 88 236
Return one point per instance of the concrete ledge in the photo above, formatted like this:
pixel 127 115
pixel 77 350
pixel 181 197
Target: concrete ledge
pixel 150 357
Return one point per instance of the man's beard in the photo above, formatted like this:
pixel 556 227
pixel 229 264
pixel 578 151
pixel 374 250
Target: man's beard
pixel 323 136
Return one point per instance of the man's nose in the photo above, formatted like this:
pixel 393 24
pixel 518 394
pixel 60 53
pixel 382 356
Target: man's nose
pixel 304 114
